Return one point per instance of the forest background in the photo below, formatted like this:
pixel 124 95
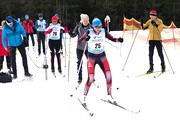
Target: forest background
pixel 70 10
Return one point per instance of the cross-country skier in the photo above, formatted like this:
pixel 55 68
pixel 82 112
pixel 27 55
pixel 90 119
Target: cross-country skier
pixel 40 26
pixel 96 54
pixel 79 30
pixel 155 26
pixel 55 30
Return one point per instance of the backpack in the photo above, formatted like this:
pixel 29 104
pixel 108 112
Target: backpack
pixel 5 77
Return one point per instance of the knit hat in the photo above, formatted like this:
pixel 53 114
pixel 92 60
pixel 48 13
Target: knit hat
pixel 54 18
pixel 40 15
pixel 26 16
pixel 9 19
pixel 153 13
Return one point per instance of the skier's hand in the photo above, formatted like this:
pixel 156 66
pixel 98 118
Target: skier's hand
pixel 25 41
pixel 120 39
pixel 71 33
pixel 154 23
pixel 87 38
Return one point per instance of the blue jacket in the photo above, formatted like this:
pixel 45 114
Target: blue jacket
pixel 14 34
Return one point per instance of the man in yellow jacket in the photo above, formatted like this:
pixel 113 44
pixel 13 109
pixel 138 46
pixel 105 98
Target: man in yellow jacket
pixel 155 26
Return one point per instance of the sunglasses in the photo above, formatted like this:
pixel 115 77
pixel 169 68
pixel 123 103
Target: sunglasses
pixel 9 23
pixel 97 27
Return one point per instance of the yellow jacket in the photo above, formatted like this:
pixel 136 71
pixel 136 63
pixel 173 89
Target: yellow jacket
pixel 154 32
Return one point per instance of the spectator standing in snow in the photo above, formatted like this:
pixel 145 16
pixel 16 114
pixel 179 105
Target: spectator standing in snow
pixel 28 25
pixel 79 30
pixel 96 55
pixel 40 26
pixel 155 26
pixel 13 31
pixel 3 52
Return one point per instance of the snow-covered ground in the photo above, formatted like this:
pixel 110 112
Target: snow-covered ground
pixel 42 101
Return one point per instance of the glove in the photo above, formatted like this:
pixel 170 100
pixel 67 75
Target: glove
pixel 71 33
pixel 154 23
pixel 62 31
pixel 25 41
pixel 120 39
pixel 87 38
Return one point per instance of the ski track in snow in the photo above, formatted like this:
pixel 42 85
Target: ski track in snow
pixel 48 102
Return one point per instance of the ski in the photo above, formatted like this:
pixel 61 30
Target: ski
pixel 84 105
pixel 145 74
pixel 160 74
pixel 118 105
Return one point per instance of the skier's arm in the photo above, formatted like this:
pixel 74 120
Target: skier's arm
pixel 73 33
pixel 48 30
pixel 84 37
pixel 110 37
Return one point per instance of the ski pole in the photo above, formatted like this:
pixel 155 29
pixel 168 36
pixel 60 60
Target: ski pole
pixel 82 58
pixel 168 59
pixel 65 50
pixel 165 52
pixel 69 57
pixel 112 45
pixel 45 66
pixel 130 50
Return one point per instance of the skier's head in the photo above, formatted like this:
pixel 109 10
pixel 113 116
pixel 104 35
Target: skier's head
pixel 84 19
pixel 153 14
pixel 9 21
pixel 54 19
pixel 96 22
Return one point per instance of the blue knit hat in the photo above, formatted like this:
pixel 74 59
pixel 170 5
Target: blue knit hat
pixel 9 19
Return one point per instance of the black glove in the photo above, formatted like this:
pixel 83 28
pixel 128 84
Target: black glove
pixel 25 42
pixel 87 38
pixel 71 33
pixel 154 23
pixel 62 31
pixel 120 39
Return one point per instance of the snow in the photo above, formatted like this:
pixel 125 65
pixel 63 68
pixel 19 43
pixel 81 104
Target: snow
pixel 42 101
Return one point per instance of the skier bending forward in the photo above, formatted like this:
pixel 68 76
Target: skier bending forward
pixel 96 54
